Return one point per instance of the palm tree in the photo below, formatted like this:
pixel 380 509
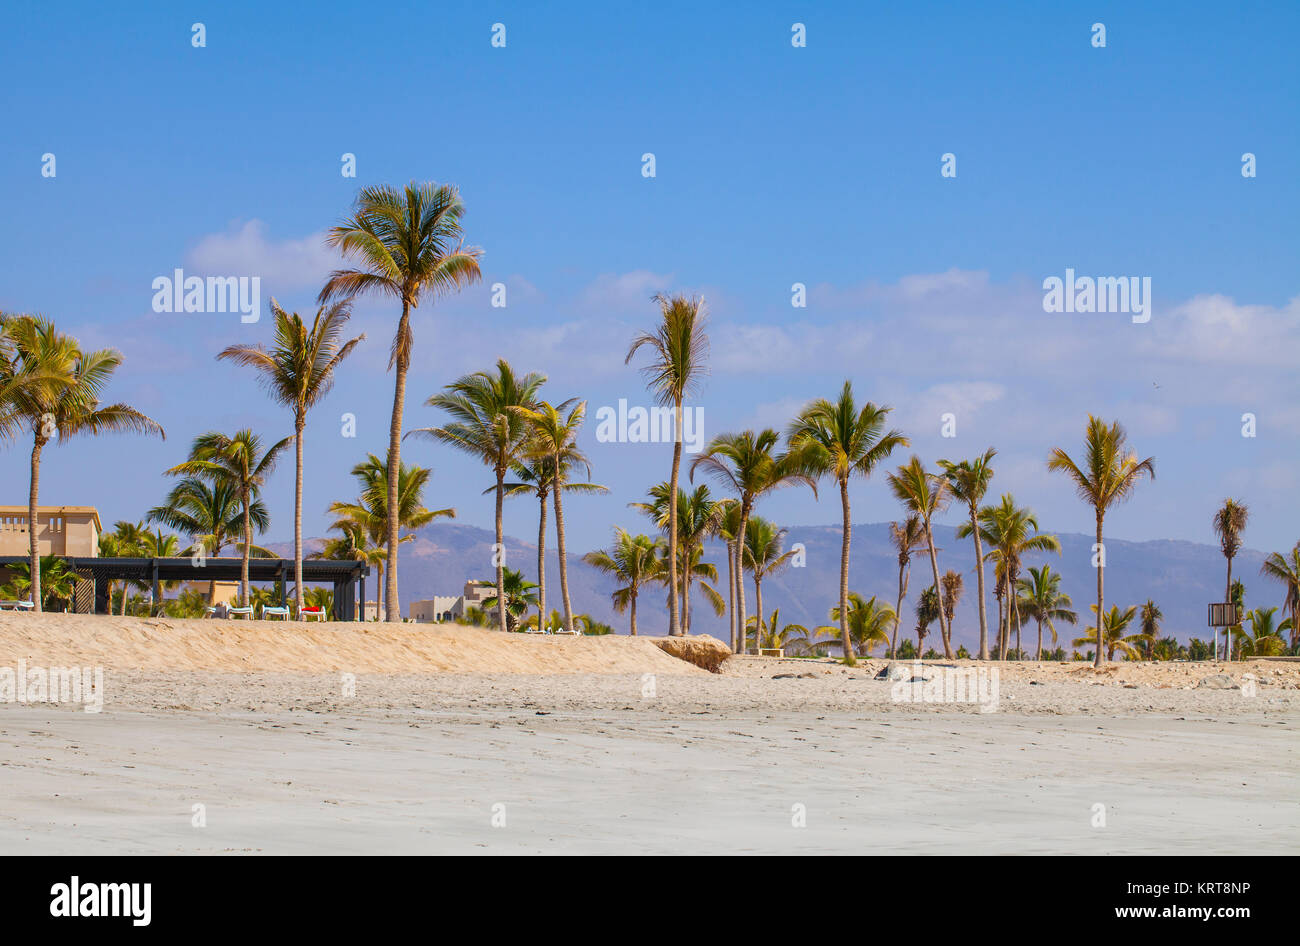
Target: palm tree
pixel 1109 474
pixel 519 597
pixel 924 494
pixel 1112 637
pixel 553 436
pixel 408 243
pixel 365 523
pixel 634 561
pixel 239 462
pixel 693 570
pixel 1263 640
pixel 699 517
pixel 1229 523
pixel 969 481
pixel 1287 571
pixel 928 610
pixel 487 424
pixel 1041 599
pixel 1012 532
pixel 21 380
pixel 773 635
pixel 728 530
pixel 354 544
pixel 906 539
pixel 836 439
pixel 765 554
pixel 869 622
pixel 298 372
pixel 209 513
pixel 66 406
pixel 60 582
pixel 746 464
pixel 678 350
pixel 951 584
pixel 1151 618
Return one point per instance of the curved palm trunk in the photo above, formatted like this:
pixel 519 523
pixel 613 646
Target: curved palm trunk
pixel 248 549
pixel 541 563
pixel 297 517
pixel 845 644
pixel 559 537
pixel 1101 571
pixel 674 615
pixel 979 578
pixel 402 362
pixel 34 555
pixel 898 608
pixel 500 551
pixel 934 566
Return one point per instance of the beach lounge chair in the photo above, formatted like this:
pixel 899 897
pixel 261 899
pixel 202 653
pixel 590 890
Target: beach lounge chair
pixel 530 629
pixel 560 630
pixel 16 606
pixel 306 613
pixel 232 612
pixel 275 611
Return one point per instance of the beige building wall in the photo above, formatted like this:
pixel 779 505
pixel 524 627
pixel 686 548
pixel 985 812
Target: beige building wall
pixel 60 530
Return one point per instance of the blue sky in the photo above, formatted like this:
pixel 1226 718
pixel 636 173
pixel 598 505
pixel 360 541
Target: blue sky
pixel 774 165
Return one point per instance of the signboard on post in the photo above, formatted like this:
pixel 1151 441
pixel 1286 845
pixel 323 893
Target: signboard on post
pixel 1225 615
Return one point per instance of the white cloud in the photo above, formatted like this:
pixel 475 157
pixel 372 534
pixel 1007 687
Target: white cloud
pixel 283 265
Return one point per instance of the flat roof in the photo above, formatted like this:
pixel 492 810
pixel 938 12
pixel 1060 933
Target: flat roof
pixel 212 569
pixel 53 510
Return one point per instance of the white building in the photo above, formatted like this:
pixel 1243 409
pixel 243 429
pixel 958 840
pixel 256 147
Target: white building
pixel 441 608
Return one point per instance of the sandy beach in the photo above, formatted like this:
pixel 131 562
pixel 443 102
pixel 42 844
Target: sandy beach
pixel 644 754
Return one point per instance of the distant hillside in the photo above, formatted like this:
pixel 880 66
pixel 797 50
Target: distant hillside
pixel 1182 577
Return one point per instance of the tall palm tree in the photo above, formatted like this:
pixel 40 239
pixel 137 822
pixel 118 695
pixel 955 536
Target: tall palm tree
pixel 518 597
pixel 699 517
pixel 969 481
pixel 1151 618
pixel 553 433
pixel 241 462
pixel 692 570
pixel 951 585
pixel 19 380
pixel 678 348
pixel 1041 599
pixel 1111 637
pixel 924 494
pixel 365 523
pixel 1012 532
pixel 765 554
pixel 1229 523
pixel 869 622
pixel 1109 474
pixel 634 561
pixel 747 464
pixel 487 424
pixel 68 405
pixel 409 245
pixel 298 371
pixel 839 440
pixel 906 539
pixel 1286 569
pixel 354 544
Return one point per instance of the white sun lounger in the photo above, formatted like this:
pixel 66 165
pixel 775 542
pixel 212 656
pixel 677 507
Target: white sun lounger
pixel 231 612
pixel 280 611
pixel 16 606
pixel 305 613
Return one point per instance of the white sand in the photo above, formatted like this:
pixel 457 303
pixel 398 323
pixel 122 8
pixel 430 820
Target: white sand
pixel 595 762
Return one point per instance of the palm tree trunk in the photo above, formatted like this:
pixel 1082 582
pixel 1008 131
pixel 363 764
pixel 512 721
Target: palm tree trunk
pixel 898 608
pixel 297 516
pixel 674 616
pixel 34 555
pixel 392 611
pixel 686 599
pixel 731 591
pixel 740 577
pixel 979 578
pixel 1227 636
pixel 1101 569
pixel 759 624
pixel 633 623
pixel 1002 650
pixel 846 536
pixel 500 550
pixel 559 537
pixel 1039 655
pixel 541 564
pixel 934 566
pixel 248 549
